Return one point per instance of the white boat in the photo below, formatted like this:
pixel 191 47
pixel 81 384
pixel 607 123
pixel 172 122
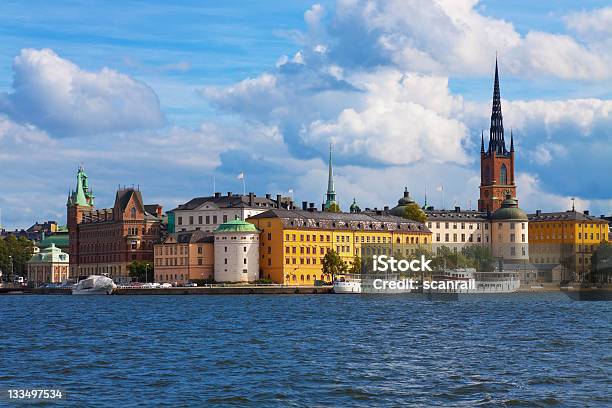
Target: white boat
pixel 348 284
pixel 483 282
pixel 94 285
pixel 370 283
pixel 459 281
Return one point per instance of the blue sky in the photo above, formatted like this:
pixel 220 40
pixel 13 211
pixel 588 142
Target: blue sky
pixel 170 96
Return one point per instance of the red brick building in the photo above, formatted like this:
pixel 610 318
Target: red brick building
pixel 105 241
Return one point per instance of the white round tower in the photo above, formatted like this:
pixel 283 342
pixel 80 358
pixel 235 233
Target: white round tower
pixel 236 252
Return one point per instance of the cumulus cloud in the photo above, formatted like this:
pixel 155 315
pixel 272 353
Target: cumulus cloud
pixel 406 118
pixel 56 95
pixel 594 24
pixel 462 43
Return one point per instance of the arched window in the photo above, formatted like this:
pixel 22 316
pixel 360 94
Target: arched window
pixel 133 212
pixel 503 178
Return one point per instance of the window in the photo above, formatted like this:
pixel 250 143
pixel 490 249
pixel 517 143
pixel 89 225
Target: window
pixel 225 218
pixel 503 177
pixel 214 219
pixel 191 220
pixel 199 219
pixel 208 219
pixel 133 212
pixel 180 220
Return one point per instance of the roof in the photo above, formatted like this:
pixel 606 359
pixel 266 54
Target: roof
pixel 341 220
pixel 229 201
pixel 50 254
pixel 510 211
pixel 59 240
pixel 564 216
pixel 236 226
pixel 455 215
pixel 191 237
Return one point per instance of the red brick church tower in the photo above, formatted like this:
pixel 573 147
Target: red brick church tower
pixel 496 163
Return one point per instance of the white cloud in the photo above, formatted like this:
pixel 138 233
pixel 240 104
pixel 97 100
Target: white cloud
pixel 462 40
pixel 594 24
pixel 56 95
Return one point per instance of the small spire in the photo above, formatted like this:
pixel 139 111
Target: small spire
pixel 511 141
pixel 482 141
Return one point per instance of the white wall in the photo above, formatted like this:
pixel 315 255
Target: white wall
pixel 231 252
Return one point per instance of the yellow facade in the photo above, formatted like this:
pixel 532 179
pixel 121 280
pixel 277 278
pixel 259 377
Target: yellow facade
pixel 294 256
pixel 566 238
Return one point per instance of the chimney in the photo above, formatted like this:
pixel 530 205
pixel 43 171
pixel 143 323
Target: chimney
pixel 586 212
pixel 251 199
pixel 229 193
pixel 278 201
pixel 304 205
pixel 538 212
pixel 386 208
pixel 457 208
pixel 323 207
pixel 311 205
pixel 430 208
pixel 268 196
pixel 217 195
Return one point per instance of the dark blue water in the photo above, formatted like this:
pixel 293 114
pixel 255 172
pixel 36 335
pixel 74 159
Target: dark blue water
pixel 320 350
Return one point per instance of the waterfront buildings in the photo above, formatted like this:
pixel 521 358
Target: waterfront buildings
pixel 105 241
pixel 49 265
pixel 236 252
pixel 294 242
pixel 184 256
pixel 562 243
pixel 207 213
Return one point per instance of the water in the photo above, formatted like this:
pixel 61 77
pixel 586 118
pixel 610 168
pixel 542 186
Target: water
pixel 320 350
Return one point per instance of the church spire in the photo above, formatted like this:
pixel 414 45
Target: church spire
pixel 497 144
pixel 330 196
pixel 511 141
pixel 482 141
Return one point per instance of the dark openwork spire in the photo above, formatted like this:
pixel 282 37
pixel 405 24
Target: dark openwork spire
pixel 482 141
pixel 511 141
pixel 497 144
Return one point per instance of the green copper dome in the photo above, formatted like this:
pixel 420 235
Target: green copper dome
pixel 354 207
pixel 236 226
pixel 510 211
pixel 400 209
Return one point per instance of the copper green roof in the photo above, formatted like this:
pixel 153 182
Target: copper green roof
pixel 236 226
pixel 510 211
pixel 59 240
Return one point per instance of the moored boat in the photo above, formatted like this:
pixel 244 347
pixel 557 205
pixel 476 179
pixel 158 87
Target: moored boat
pixel 94 285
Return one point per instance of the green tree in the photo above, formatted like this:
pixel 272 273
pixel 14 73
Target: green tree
pixel 142 271
pixel 413 212
pixel 479 257
pixel 20 250
pixel 333 265
pixel 356 265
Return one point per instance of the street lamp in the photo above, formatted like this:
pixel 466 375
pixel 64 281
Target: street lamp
pixel 146 273
pixel 11 275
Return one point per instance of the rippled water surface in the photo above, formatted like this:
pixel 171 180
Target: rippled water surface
pixel 319 350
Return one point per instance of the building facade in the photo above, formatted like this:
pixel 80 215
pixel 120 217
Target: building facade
pixel 183 257
pixel 496 162
pixel 207 213
pixel 105 241
pixel 236 252
pixel 51 265
pixel 566 239
pixel 294 242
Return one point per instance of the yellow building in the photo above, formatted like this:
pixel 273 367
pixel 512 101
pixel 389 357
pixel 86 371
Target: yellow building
pixel 567 239
pixel 294 242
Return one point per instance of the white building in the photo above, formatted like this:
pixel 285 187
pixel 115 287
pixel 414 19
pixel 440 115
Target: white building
pixel 455 228
pixel 236 252
pixel 207 213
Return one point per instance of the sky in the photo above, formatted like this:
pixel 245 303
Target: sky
pixel 178 99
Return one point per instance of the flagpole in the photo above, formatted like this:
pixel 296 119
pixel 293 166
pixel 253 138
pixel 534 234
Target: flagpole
pixel 243 185
pixel 214 184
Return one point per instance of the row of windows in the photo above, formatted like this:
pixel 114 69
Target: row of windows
pixel 470 238
pixel 207 218
pixel 462 225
